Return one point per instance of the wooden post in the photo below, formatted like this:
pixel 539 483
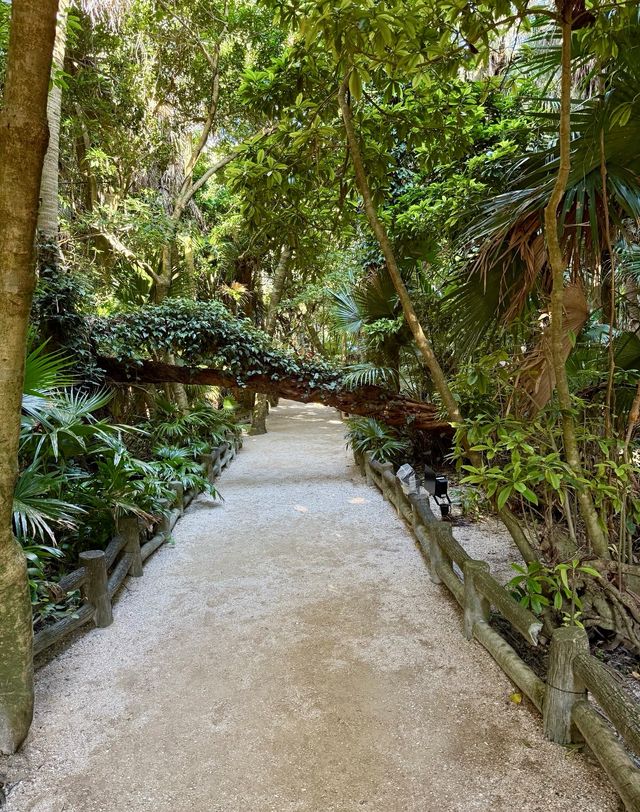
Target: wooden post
pixel 427 544
pixel 476 606
pixel 216 466
pixel 359 461
pixel 129 529
pixel 177 488
pixel 367 468
pixel 432 550
pixel 400 497
pixel 207 461
pixel 386 466
pixel 164 526
pixel 564 689
pixel 95 587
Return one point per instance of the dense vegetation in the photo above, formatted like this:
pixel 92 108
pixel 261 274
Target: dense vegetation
pixel 437 199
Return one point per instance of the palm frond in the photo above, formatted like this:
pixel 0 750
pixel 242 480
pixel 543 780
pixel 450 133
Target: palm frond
pixel 46 371
pixel 36 513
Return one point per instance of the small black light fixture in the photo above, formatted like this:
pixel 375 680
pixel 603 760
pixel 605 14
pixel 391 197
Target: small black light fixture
pixel 438 487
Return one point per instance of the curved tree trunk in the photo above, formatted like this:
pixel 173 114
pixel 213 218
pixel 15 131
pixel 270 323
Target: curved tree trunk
pixel 23 142
pixel 595 533
pixel 261 407
pixel 380 232
pixel 370 401
pixel 424 345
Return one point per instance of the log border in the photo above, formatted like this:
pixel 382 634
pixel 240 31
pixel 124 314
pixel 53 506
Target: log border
pixel 103 572
pixel 583 700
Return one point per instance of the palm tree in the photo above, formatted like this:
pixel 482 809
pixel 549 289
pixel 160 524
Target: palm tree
pixel 510 268
pixel 357 309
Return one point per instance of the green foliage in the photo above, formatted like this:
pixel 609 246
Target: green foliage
pixel 206 333
pixel 176 464
pixel 202 427
pixel 78 477
pixel 357 375
pixel 35 511
pixel 383 442
pixel 60 301
pixel 524 463
pixel 537 586
pixel 45 371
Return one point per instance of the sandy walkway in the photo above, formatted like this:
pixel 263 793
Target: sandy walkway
pixel 289 653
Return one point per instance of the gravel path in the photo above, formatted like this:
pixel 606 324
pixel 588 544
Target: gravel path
pixel 289 653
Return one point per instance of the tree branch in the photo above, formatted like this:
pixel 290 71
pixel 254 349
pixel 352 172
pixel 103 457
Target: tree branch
pixel 370 401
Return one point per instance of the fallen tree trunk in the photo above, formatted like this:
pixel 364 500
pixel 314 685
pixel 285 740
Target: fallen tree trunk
pixel 368 401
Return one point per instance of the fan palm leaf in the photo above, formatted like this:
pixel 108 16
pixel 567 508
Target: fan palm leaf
pixel 46 371
pixel 510 255
pixel 36 513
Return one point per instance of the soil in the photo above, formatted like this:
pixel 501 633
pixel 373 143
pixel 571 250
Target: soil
pixel 289 652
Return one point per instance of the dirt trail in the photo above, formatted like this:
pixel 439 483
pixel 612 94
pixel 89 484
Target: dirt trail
pixel 289 653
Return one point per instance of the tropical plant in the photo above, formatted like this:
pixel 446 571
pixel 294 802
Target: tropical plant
pixel 202 425
pixel 177 464
pixel 36 512
pixel 537 587
pixel 383 442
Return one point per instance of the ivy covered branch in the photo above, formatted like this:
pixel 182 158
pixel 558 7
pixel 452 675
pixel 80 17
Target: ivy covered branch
pixel 214 348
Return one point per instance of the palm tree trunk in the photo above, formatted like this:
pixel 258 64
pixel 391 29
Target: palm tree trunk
pixel 588 511
pixel 23 142
pixel 49 214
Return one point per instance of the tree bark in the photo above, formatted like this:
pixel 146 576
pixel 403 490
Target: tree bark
pixel 261 407
pixel 588 511
pixel 48 215
pixel 370 401
pixel 23 142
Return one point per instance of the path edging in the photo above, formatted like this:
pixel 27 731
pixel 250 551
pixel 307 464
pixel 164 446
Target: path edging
pixel 104 571
pixel 568 714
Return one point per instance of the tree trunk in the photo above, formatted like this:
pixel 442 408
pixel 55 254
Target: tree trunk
pixel 49 215
pixel 371 401
pixel 261 407
pixel 380 232
pixel 23 142
pixel 588 511
pixel 423 343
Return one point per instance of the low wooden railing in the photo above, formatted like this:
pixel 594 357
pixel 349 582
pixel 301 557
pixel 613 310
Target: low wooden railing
pixel 103 571
pixel 582 699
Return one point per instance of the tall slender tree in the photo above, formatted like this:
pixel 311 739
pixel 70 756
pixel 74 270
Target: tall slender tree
pixel 261 408
pixel 23 142
pixel 48 215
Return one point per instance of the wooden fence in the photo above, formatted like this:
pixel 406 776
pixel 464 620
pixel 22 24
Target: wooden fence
pixel 103 571
pixel 582 699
